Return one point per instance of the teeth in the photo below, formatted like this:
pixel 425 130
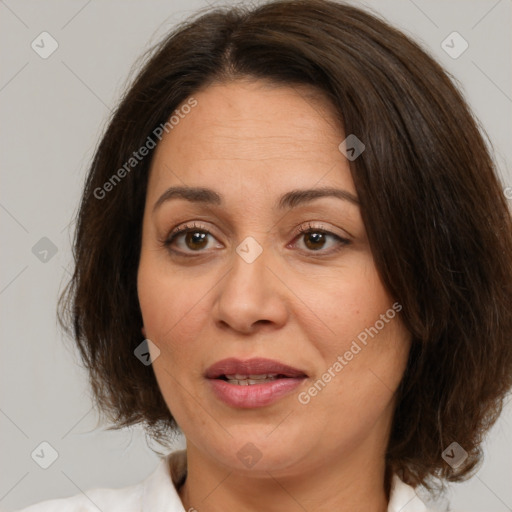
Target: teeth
pixel 243 380
pixel 249 382
pixel 263 376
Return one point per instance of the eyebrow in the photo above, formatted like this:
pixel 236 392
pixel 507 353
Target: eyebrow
pixel 289 200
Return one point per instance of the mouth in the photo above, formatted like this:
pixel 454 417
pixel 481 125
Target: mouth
pixel 254 382
pixel 251 380
pixel 251 370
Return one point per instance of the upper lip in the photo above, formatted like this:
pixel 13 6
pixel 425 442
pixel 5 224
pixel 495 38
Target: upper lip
pixel 255 366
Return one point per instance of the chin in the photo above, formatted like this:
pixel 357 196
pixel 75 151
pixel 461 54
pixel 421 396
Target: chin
pixel 261 450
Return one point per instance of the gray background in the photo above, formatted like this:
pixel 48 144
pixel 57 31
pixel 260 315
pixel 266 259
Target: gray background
pixel 53 111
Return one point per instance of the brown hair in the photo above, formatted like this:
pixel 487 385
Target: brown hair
pixel 433 207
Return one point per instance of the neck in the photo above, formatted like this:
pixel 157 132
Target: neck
pixel 351 484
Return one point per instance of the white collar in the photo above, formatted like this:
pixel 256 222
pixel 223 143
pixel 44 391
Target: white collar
pixel 160 494
pixel 403 498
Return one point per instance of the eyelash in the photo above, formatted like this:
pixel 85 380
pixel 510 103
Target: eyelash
pixel 186 228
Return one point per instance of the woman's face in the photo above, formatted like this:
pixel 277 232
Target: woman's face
pixel 244 283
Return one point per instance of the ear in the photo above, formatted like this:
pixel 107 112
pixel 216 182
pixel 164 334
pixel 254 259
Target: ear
pixel 143 330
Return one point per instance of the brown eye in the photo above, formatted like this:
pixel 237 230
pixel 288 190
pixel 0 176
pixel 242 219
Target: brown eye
pixel 314 240
pixel 196 239
pixel 189 239
pixel 318 239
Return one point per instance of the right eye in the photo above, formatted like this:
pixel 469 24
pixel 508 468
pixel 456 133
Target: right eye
pixel 189 239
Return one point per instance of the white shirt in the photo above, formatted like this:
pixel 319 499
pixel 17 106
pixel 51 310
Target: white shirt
pixel 157 493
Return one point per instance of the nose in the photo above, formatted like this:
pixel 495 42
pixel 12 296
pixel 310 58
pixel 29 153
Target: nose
pixel 251 297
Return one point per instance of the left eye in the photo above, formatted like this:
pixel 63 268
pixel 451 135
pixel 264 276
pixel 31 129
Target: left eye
pixel 315 240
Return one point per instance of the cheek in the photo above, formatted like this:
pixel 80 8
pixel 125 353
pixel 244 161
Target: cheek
pixel 172 308
pixel 360 326
pixel 360 374
pixel 371 370
pixel 173 312
pixel 344 305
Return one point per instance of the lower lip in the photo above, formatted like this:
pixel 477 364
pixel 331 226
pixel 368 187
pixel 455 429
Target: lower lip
pixel 254 395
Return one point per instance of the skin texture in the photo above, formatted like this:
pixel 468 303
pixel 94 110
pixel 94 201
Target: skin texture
pixel 300 302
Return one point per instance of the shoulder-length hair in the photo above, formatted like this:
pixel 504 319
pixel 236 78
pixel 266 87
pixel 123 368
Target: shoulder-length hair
pixel 434 210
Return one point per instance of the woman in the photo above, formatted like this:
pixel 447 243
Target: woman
pixel 295 219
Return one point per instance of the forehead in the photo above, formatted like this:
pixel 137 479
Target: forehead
pixel 261 133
